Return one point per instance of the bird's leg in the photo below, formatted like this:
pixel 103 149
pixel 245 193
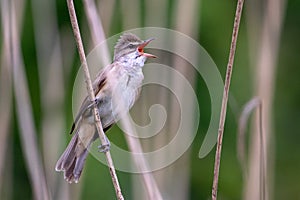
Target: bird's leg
pixel 95 102
pixel 103 148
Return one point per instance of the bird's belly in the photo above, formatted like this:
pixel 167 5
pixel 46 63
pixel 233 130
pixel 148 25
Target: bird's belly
pixel 112 106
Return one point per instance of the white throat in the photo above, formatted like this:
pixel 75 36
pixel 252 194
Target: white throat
pixel 133 60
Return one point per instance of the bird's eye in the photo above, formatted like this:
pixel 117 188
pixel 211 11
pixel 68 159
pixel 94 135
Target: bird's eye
pixel 131 46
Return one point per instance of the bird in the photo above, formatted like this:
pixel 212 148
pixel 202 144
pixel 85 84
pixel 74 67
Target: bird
pixel 117 87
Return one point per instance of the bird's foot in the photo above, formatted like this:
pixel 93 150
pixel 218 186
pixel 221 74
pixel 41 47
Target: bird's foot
pixel 103 148
pixel 87 109
pixel 95 102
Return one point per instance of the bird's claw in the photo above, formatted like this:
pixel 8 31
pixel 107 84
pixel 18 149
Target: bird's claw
pixel 95 102
pixel 103 148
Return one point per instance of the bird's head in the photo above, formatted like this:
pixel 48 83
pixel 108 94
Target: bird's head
pixel 131 48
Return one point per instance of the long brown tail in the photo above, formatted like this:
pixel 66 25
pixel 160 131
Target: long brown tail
pixel 71 163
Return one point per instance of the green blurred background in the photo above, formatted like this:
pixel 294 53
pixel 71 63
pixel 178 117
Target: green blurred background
pixel 46 40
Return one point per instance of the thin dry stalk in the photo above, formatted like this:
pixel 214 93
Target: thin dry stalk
pixel 5 93
pixel 135 146
pixel 236 26
pixel 49 60
pixel 24 114
pixel 92 97
pixel 97 32
pixel 243 121
pixel 186 20
pixel 107 9
pixel 266 49
pixel 248 109
pixel 262 179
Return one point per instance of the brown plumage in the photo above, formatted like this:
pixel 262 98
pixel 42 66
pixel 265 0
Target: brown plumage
pixel 122 78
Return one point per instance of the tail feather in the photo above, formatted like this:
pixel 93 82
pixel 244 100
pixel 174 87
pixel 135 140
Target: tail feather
pixel 67 158
pixel 68 175
pixel 79 165
pixel 71 163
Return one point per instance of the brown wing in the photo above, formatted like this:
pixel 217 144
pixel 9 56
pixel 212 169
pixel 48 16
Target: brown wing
pixel 98 84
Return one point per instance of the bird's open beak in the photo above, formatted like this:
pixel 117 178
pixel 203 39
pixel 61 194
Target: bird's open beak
pixel 141 49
